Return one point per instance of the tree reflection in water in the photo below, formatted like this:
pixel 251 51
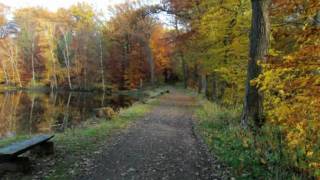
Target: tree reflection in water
pixel 27 113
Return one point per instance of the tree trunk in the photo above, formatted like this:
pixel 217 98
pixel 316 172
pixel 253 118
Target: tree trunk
pixel 204 83
pixel 206 89
pixel 101 65
pixel 55 79
pixel 184 70
pixel 150 61
pixel 67 60
pixel 86 69
pixel 124 84
pixel 85 75
pixel 32 62
pixel 214 88
pixel 5 73
pixel 13 57
pixel 53 76
pixel 183 62
pixel 141 84
pixel 317 19
pixel 200 83
pixel 259 42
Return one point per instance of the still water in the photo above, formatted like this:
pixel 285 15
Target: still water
pixel 27 113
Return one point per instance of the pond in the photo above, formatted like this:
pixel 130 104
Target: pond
pixel 27 113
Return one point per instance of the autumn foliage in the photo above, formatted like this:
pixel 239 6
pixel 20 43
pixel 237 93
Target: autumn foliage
pixel 77 49
pixel 215 46
pixel 291 80
pixel 204 44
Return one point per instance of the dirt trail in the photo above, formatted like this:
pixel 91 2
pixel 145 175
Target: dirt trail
pixel 162 145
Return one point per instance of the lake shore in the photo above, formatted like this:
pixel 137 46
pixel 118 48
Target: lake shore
pixel 79 144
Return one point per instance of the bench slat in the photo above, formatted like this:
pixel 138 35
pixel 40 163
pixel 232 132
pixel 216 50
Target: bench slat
pixel 21 147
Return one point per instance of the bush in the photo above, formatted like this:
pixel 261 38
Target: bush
pixel 252 155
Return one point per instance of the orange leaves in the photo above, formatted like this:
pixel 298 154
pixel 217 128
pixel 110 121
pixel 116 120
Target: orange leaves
pixel 291 80
pixel 162 50
pixel 289 6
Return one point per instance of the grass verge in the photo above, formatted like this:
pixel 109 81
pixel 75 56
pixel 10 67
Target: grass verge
pixel 251 156
pixel 75 146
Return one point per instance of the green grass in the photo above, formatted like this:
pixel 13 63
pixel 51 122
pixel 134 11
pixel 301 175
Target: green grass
pixel 74 145
pixel 156 91
pixel 10 140
pixel 250 156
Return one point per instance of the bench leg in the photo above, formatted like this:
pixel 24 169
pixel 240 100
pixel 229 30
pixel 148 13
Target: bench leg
pixel 44 149
pixel 16 164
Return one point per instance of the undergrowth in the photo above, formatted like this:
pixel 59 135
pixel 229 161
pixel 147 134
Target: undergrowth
pixel 251 155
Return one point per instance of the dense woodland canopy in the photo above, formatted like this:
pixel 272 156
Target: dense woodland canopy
pixel 263 54
pixel 78 49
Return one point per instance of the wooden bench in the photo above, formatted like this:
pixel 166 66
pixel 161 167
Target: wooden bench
pixel 9 156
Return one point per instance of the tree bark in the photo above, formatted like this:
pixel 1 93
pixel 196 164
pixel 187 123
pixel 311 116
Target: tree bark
pixel 200 83
pixel 55 79
pixel 101 65
pixel 184 70
pixel 125 63
pixel 13 57
pixel 259 43
pixel 32 61
pixel 150 60
pixel 206 87
pixel 214 88
pixel 5 73
pixel 183 62
pixel 203 83
pixel 53 76
pixel 67 60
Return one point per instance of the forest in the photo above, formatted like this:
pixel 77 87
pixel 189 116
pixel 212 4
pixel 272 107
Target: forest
pixel 258 58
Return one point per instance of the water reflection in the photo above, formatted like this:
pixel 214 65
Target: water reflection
pixel 24 113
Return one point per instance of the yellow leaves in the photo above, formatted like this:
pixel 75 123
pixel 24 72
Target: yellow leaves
pixel 161 49
pixel 309 153
pixel 274 52
pixel 245 142
pixel 292 101
pixel 289 58
pixel 263 161
pixel 83 14
pixel 314 165
pixel 297 135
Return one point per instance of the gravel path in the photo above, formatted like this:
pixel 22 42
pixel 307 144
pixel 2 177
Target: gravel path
pixel 162 145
